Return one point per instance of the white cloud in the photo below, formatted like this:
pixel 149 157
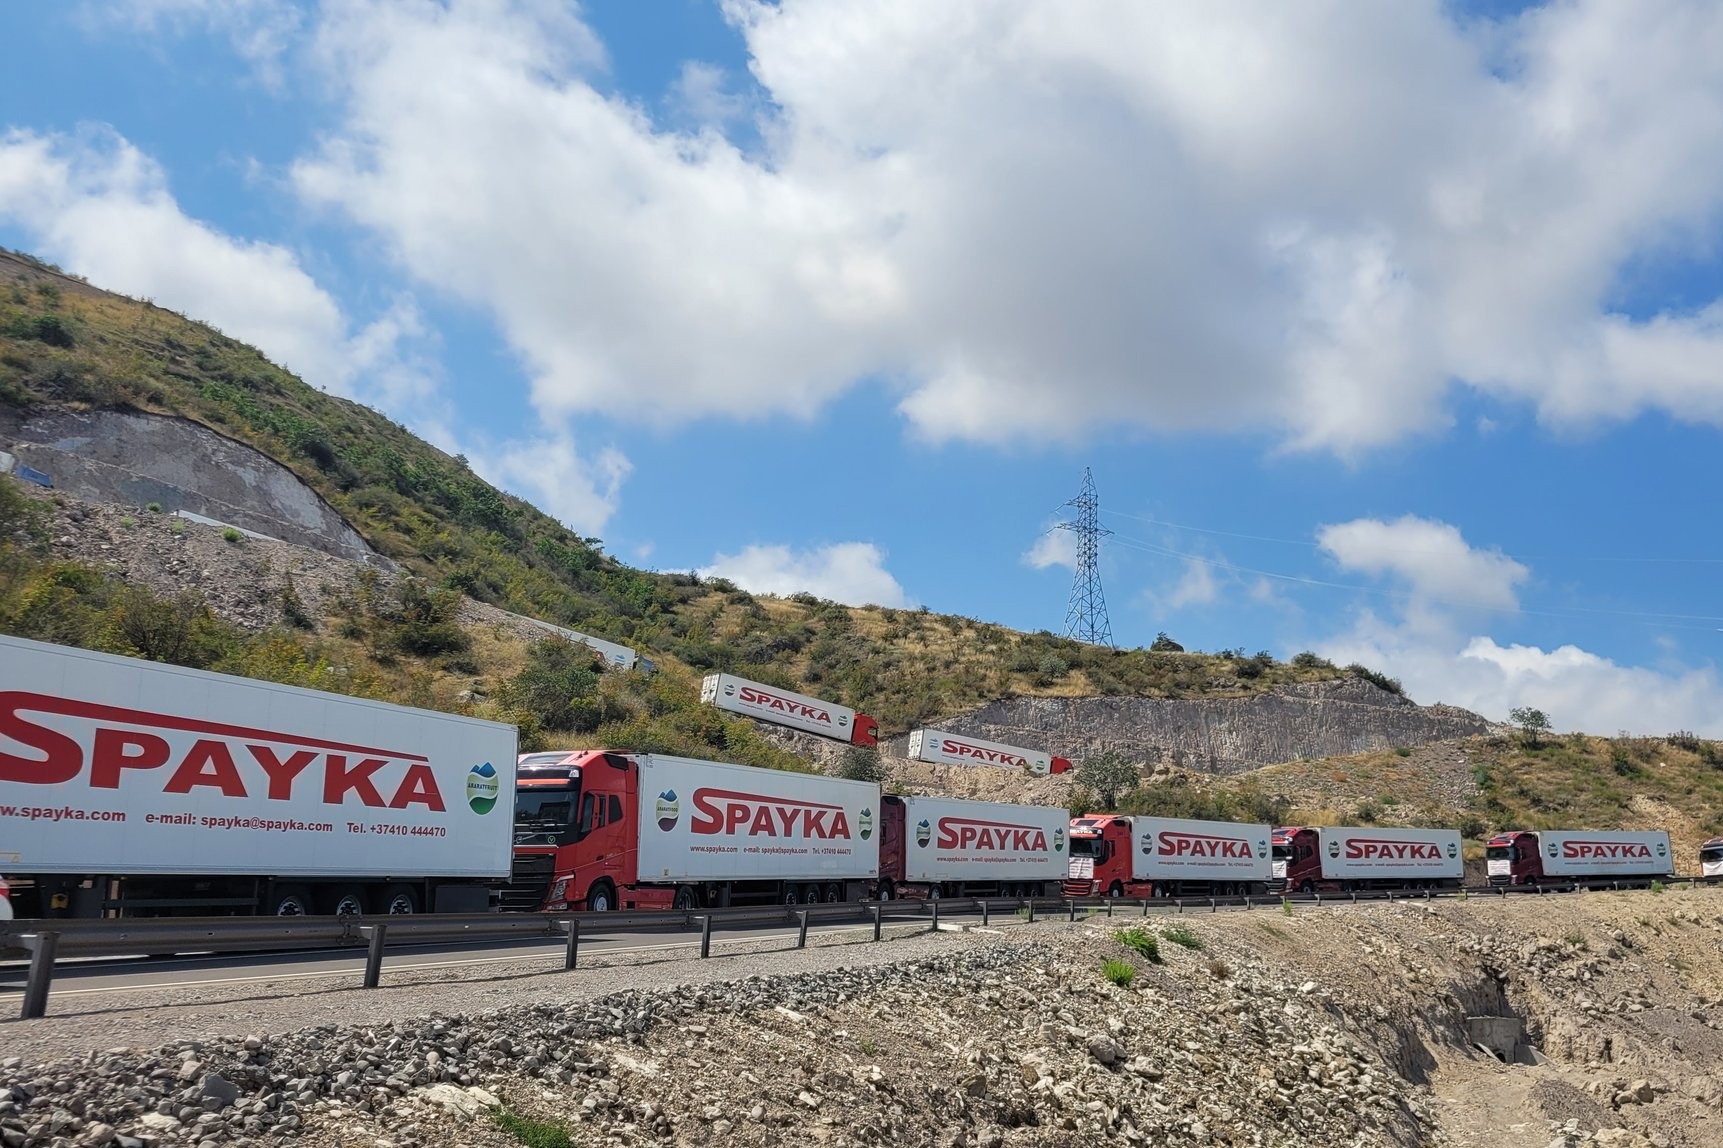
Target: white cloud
pixel 100 207
pixel 1055 547
pixel 260 30
pixel 1196 587
pixel 554 476
pixel 851 572
pixel 1430 650
pixel 1031 219
pixel 1430 557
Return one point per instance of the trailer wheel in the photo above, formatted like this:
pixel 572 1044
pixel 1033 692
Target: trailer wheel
pixel 933 893
pixel 834 894
pixel 345 901
pixel 686 898
pixel 601 898
pixel 812 895
pixel 290 901
pixel 399 899
pixel 792 895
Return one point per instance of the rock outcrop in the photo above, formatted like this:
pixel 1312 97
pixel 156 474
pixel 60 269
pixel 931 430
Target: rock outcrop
pixel 1220 735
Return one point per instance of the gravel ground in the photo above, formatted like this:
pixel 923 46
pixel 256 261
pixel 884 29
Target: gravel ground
pixel 148 1017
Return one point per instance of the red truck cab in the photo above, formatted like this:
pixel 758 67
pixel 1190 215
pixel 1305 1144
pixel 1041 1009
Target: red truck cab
pixel 864 730
pixel 1296 854
pixel 1512 858
pixel 574 845
pixel 1101 858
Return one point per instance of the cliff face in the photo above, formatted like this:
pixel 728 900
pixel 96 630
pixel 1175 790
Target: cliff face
pixel 1219 735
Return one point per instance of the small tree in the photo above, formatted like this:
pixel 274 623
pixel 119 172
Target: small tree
pixel 1108 774
pixel 860 763
pixel 1165 645
pixel 1533 723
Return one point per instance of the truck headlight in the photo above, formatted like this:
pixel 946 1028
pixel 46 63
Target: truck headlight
pixel 557 890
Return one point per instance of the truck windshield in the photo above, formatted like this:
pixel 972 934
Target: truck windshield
pixel 1498 853
pixel 1282 853
pixel 547 811
pixel 1714 854
pixel 1084 846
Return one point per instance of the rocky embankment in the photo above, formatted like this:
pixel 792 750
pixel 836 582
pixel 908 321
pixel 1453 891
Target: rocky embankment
pixel 1338 1026
pixel 1222 735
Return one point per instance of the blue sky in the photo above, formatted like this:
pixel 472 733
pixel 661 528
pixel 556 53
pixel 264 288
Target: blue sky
pixel 1392 332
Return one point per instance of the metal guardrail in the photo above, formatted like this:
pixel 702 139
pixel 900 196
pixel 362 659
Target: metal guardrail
pixel 51 939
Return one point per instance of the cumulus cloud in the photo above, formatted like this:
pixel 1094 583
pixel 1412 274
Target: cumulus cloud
pixel 557 478
pixel 1054 548
pixel 851 572
pixel 1196 587
pixel 1431 649
pixel 1431 558
pixel 1031 219
pixel 260 30
pixel 100 207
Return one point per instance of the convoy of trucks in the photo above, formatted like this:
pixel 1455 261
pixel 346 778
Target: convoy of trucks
pixel 941 748
pixel 133 788
pixel 1521 857
pixel 1342 858
pixel 129 786
pixel 1115 856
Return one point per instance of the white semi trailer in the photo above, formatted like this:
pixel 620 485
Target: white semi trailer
pixel 133 788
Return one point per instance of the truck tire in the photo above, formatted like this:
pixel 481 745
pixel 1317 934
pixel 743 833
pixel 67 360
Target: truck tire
pixel 289 901
pixel 792 895
pixel 834 894
pixel 687 898
pixel 601 898
pixel 1307 886
pixel 399 899
pixel 934 892
pixel 886 892
pixel 1115 890
pixel 342 901
pixel 811 895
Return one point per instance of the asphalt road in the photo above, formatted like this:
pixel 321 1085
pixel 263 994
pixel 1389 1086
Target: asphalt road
pixel 99 975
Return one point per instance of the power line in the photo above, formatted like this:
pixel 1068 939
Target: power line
pixel 1086 616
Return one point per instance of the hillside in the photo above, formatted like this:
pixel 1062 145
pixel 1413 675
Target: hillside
pixel 69 350
pixel 391 571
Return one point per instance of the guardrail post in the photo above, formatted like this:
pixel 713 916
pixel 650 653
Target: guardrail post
pixel 934 904
pixel 802 935
pixel 378 936
pixel 1145 906
pixel 705 936
pixel 984 912
pixel 1031 903
pixel 1072 905
pixel 877 909
pixel 1213 905
pixel 42 946
pixel 1109 906
pixel 1180 902
pixel 573 952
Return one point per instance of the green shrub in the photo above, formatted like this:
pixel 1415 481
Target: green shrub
pixel 1121 973
pixel 234 536
pixel 154 508
pixel 1142 942
pixel 532 1133
pixel 1179 935
pixel 1379 680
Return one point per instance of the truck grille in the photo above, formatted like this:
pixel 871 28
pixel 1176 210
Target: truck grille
pixel 529 881
pixel 1078 887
